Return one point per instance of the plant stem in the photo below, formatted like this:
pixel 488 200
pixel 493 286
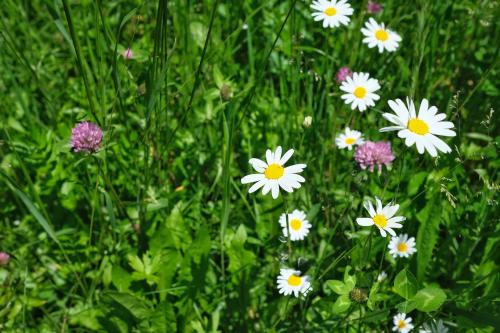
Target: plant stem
pixel 289 241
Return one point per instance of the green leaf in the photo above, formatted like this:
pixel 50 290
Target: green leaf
pixel 415 182
pixel 406 306
pixel 338 287
pixel 405 284
pixel 429 299
pixel 373 297
pixel 479 136
pixel 135 306
pixel 201 245
pixel 239 257
pixel 341 304
pixel 350 282
pixel 33 210
pixel 136 263
pixel 427 236
pixel 198 32
pixel 120 278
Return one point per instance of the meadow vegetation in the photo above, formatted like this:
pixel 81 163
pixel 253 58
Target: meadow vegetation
pixel 154 230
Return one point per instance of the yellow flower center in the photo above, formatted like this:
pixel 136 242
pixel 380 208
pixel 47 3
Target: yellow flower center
pixel 295 224
pixel 274 171
pixel 381 35
pixel 350 141
pixel 401 324
pixel 330 11
pixel 294 280
pixel 418 126
pixel 402 247
pixel 360 92
pixel 380 220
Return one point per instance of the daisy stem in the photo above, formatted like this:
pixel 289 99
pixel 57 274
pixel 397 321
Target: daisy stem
pixel 285 203
pixel 369 241
pixel 382 258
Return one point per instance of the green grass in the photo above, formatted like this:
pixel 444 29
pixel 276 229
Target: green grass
pixel 156 233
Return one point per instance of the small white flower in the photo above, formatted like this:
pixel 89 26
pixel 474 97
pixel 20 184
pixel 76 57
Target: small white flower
pixel 299 226
pixel 382 276
pixel 402 324
pixel 307 122
pixel 273 175
pixel 290 281
pixel 333 13
pixel 382 217
pixel 360 91
pixel 419 129
pixel 349 138
pixel 401 246
pixel 378 35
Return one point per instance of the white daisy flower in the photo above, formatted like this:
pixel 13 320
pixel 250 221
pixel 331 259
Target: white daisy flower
pixel 382 217
pixel 401 246
pixel 401 323
pixel 290 281
pixel 422 129
pixel 382 276
pixel 299 226
pixel 378 35
pixel 333 13
pixel 349 138
pixel 360 90
pixel 273 175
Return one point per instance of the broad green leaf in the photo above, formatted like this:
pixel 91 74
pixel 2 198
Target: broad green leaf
pixel 406 306
pixel 121 279
pixel 429 299
pixel 338 287
pixel 201 244
pixel 415 182
pixel 239 257
pixel 136 263
pixel 405 284
pixel 199 33
pixel 350 281
pixel 341 304
pixel 163 318
pixel 135 306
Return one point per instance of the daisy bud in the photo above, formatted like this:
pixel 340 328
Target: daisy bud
pixel 128 53
pixel 358 295
pixel 307 122
pixel 4 258
pixel 373 7
pixel 343 73
pixel 371 154
pixel 382 276
pixel 226 93
pixel 86 136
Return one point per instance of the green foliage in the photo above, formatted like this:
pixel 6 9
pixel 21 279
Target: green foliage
pixel 405 284
pixel 156 233
pixel 429 299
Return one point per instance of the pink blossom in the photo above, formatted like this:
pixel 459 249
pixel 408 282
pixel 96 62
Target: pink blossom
pixel 343 73
pixel 371 154
pixel 128 53
pixel 373 7
pixel 4 258
pixel 86 137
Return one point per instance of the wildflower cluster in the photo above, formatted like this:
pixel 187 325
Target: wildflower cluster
pixel 361 92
